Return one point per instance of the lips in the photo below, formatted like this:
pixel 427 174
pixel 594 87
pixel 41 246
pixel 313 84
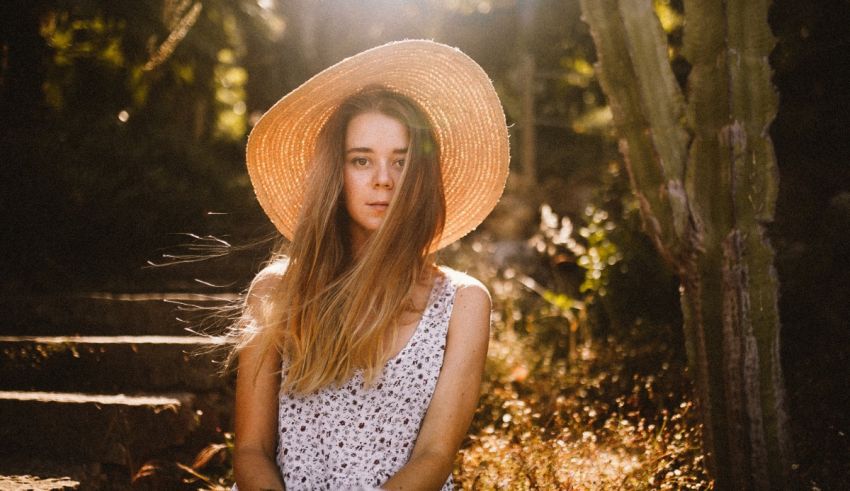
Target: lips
pixel 378 205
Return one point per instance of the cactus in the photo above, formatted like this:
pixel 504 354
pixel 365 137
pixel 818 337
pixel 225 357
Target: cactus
pixel 705 176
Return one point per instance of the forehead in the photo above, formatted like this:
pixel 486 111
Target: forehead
pixel 372 129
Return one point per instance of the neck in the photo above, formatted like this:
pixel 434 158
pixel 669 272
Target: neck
pixel 358 239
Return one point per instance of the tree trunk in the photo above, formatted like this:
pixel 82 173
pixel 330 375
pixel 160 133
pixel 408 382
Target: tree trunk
pixel 527 69
pixel 705 175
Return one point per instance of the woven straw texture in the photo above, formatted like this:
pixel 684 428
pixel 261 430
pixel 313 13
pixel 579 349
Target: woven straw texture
pixel 451 88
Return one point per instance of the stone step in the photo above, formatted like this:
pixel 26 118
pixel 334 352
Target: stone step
pixel 80 427
pixel 112 363
pixel 42 476
pixel 37 483
pixel 169 314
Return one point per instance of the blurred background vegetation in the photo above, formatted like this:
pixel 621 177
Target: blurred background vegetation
pixel 122 132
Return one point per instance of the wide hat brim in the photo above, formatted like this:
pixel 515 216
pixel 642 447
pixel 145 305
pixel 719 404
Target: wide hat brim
pixel 455 94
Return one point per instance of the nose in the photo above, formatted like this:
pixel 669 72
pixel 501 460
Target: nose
pixel 383 178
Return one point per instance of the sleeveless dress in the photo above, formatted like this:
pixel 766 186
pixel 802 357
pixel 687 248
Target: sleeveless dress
pixel 351 437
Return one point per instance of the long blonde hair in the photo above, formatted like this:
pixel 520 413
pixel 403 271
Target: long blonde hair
pixel 328 312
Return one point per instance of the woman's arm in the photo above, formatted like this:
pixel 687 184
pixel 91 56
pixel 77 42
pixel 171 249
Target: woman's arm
pixel 256 421
pixel 256 411
pixel 455 396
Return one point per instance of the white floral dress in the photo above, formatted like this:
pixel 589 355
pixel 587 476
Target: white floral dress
pixel 351 437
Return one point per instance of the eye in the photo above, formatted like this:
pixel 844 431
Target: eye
pixel 399 162
pixel 360 161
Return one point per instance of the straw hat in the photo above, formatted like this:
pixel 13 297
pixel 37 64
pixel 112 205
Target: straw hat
pixel 455 94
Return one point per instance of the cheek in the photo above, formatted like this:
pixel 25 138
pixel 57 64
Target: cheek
pixel 397 173
pixel 348 184
pixel 353 186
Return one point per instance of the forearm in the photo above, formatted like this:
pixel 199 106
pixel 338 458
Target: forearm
pixel 256 471
pixel 426 471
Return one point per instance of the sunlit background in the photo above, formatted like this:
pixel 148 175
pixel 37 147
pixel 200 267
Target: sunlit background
pixel 122 133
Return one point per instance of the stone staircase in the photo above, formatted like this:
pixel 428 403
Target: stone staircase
pixel 93 387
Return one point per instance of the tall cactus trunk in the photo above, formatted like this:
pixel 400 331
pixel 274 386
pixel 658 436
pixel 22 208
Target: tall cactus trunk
pixel 705 175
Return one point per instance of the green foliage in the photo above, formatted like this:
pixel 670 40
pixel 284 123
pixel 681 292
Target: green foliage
pixel 230 80
pixel 623 279
pixel 138 135
pixel 95 41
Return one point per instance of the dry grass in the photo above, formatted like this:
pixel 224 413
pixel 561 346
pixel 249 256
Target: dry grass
pixel 618 416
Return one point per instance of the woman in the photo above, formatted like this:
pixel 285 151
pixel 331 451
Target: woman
pixel 360 361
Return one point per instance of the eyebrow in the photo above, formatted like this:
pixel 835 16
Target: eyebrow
pixel 369 150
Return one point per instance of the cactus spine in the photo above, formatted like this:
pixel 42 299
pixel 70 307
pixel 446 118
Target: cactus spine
pixel 705 175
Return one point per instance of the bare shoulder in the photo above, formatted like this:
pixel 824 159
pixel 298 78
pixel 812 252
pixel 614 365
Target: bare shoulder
pixel 272 272
pixel 267 280
pixel 470 291
pixel 471 310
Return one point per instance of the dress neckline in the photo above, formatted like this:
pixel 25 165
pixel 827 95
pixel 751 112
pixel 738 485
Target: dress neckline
pixel 440 277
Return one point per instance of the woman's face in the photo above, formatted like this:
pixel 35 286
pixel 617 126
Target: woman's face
pixel 375 151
